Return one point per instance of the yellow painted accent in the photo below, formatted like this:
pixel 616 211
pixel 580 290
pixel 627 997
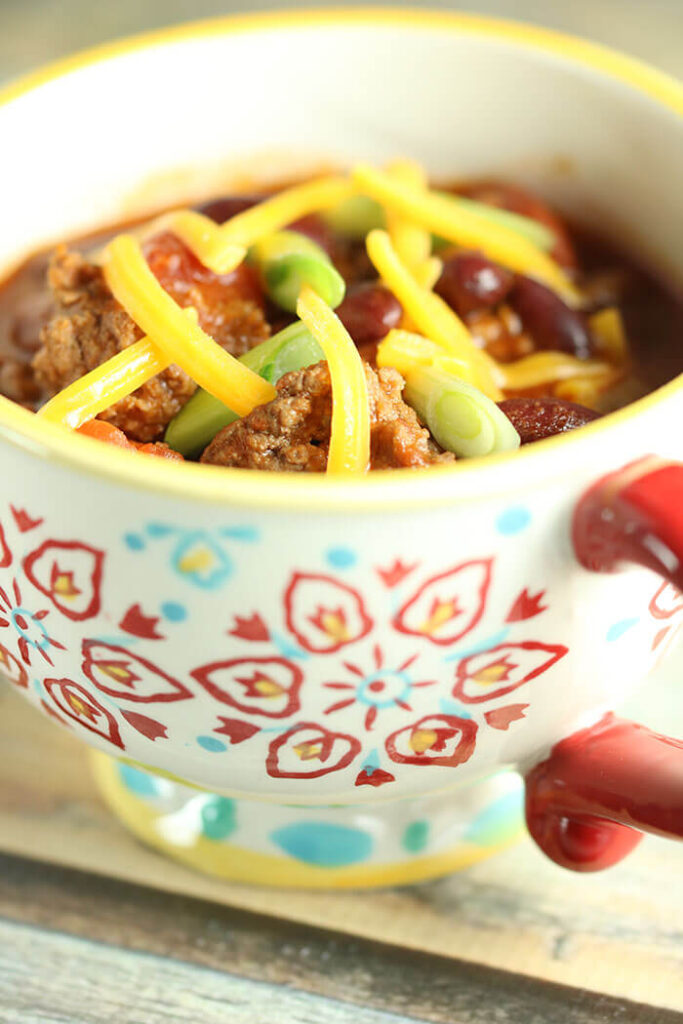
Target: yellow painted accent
pixel 491 674
pixel 64 586
pixel 422 739
pixel 334 625
pixel 288 491
pixel 657 84
pixel 115 671
pixel 238 864
pixel 350 431
pixel 432 316
pixel 443 612
pixel 308 751
pixel 466 228
pixel 136 288
pixel 195 561
pixel 267 688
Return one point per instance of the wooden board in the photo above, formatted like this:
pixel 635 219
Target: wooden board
pixel 619 933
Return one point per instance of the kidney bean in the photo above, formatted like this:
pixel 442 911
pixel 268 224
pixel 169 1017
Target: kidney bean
pixel 536 418
pixel 315 228
pixel 519 200
pixel 223 209
pixel 469 281
pixel 549 320
pixel 369 312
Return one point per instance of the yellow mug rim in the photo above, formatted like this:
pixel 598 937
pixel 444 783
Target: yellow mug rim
pixel 390 490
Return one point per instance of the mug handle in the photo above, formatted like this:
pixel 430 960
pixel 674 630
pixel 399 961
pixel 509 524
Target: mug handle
pixel 587 802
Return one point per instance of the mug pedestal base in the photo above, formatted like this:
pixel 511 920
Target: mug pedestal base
pixel 357 846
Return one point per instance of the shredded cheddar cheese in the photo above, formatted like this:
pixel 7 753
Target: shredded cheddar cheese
pixel 278 212
pixel 135 287
pixel 432 316
pixel 464 227
pixel 548 367
pixel 350 431
pixel 402 257
pixel 106 385
pixel 587 390
pixel 412 242
pixel 429 273
pixel 203 237
pixel 404 350
pixel 607 327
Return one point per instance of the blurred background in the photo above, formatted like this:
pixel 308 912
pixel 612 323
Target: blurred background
pixel 35 31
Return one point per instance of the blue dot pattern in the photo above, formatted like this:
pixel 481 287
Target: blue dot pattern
pixel 210 743
pixel 218 818
pixel 323 844
pixel 415 836
pixel 341 558
pixel 134 542
pixel 173 612
pixel 138 782
pixel 513 520
pixel 619 628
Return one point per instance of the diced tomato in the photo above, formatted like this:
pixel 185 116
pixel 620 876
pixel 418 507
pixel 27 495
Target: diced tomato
pixel 107 432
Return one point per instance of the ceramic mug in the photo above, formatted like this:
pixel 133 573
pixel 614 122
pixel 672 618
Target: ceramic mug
pixel 371 658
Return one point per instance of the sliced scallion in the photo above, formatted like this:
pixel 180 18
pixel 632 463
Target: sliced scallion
pixel 203 416
pixel 288 260
pixel 462 419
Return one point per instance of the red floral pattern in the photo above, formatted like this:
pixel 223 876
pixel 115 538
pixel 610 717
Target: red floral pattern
pixel 137 623
pixel 527 606
pixel 483 677
pixel 69 574
pixel 74 701
pixel 121 674
pixel 446 607
pixel 502 718
pixel 25 522
pixel 252 628
pixel 148 727
pixel 262 686
pixel 236 730
pixel 308 751
pixel 324 614
pixel 5 553
pixel 313 614
pixel 666 602
pixel 441 740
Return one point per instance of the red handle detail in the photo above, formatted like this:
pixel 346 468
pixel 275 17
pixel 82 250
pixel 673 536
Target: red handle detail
pixel 635 515
pixel 584 803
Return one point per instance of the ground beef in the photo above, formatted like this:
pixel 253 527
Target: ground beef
pixel 292 432
pixel 88 327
